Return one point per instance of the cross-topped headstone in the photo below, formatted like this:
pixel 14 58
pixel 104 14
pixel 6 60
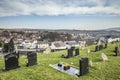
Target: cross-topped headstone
pixel 11 61
pixel 32 59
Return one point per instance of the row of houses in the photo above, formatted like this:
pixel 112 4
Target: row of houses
pixel 53 46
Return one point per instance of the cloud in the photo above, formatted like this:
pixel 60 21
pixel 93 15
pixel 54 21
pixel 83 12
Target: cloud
pixel 58 7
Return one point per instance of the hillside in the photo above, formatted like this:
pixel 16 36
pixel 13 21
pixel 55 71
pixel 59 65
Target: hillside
pixel 101 70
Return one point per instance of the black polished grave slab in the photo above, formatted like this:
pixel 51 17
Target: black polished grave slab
pixel 32 59
pixel 11 61
pixel 83 66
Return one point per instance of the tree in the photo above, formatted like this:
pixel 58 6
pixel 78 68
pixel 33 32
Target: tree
pixel 6 34
pixel 9 47
pixel 6 47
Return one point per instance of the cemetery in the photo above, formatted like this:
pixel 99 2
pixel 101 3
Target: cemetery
pixel 33 66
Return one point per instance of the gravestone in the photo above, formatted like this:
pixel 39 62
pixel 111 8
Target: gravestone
pixel 116 51
pixel 83 66
pixel 105 45
pixel 72 48
pixel 104 57
pixel 91 64
pixel 32 59
pixel 11 61
pixel 100 47
pixel 70 53
pixel 76 51
pixel 96 48
pixel 88 51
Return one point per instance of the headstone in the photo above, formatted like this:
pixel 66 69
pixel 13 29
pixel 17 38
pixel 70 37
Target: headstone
pixel 83 66
pixel 32 59
pixel 116 50
pixel 47 50
pixel 96 48
pixel 70 53
pixel 72 48
pixel 105 45
pixel 76 51
pixel 11 61
pixel 88 51
pixel 91 64
pixel 100 47
pixel 104 57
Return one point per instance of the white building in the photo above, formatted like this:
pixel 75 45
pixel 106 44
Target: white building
pixel 58 45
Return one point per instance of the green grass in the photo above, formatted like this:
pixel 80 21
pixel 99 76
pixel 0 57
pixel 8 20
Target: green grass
pixel 101 70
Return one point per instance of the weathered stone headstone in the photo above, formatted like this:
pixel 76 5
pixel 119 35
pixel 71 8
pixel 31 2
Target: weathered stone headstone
pixel 11 61
pixel 104 57
pixel 47 50
pixel 83 66
pixel 105 45
pixel 96 48
pixel 100 47
pixel 91 64
pixel 32 59
pixel 116 50
pixel 76 51
pixel 88 51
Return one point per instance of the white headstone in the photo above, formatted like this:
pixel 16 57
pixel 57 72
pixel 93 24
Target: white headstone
pixel 48 50
pixel 104 57
pixel 91 64
pixel 88 50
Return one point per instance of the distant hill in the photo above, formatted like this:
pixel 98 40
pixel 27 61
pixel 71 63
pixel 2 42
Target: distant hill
pixel 114 29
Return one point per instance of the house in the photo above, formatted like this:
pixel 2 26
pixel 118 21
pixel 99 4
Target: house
pixel 27 44
pixel 58 45
pixel 42 44
pixel 72 43
pixel 109 40
pixel 82 44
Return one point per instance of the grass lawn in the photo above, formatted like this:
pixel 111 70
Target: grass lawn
pixel 101 70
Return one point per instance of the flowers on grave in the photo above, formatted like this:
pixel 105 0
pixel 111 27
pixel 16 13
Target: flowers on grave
pixel 66 66
pixel 60 64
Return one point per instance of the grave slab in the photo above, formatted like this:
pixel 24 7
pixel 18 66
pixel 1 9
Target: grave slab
pixel 73 71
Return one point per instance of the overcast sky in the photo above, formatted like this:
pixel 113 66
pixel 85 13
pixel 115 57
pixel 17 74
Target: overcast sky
pixel 60 14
